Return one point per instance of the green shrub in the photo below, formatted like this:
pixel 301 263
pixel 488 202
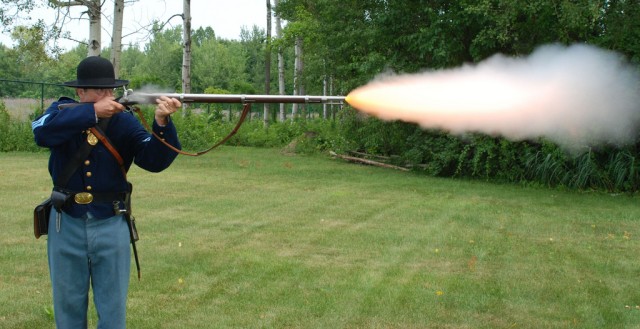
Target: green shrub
pixel 15 135
pixel 478 156
pixel 431 152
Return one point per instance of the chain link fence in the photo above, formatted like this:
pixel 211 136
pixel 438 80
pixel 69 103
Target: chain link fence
pixel 25 99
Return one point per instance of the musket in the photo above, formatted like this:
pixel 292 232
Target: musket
pixel 131 98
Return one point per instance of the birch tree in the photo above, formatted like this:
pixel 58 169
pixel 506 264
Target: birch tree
pixel 267 65
pixel 297 75
pixel 294 107
pixel 280 62
pixel 324 92
pixel 186 54
pixel 116 35
pixel 94 11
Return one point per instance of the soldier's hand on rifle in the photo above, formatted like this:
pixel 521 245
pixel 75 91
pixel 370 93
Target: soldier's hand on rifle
pixel 107 107
pixel 166 107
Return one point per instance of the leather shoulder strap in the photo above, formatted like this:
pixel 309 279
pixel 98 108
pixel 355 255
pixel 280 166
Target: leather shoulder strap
pixel 98 131
pixel 78 158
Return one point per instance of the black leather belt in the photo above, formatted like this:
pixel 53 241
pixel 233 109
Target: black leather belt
pixel 90 197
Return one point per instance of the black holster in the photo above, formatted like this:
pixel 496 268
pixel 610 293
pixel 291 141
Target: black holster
pixel 41 218
pixel 59 199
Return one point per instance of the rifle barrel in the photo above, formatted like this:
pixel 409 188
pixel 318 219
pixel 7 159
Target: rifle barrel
pixel 149 98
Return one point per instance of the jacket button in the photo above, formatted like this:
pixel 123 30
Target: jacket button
pixel 87 162
pixel 88 188
pixel 88 174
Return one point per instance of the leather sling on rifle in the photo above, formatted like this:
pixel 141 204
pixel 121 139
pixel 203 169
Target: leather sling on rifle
pixel 133 233
pixel 246 108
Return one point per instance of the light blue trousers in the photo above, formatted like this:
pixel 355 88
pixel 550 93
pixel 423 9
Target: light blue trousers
pixel 87 252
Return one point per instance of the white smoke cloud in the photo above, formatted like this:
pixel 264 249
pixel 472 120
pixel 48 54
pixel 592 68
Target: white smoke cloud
pixel 576 96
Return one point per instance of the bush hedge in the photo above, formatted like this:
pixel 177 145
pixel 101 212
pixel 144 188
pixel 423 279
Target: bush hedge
pixel 431 152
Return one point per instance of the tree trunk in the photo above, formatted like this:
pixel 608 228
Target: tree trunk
pixel 280 64
pixel 331 92
pixel 324 92
pixel 296 75
pixel 267 65
pixel 301 89
pixel 94 9
pixel 116 38
pixel 186 53
pixel 95 27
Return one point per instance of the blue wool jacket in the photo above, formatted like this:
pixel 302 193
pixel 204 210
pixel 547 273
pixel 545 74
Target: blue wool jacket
pixel 63 131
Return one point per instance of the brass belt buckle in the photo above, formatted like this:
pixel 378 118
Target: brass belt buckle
pixel 83 198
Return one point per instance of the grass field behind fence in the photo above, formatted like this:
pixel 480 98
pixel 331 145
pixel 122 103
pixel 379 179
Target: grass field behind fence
pixel 253 238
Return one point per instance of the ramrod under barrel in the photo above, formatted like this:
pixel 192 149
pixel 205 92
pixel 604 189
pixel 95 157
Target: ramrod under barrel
pixel 149 98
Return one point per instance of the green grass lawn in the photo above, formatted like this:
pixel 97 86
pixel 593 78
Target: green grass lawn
pixel 253 238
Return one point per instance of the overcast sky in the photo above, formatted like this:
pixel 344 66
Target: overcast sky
pixel 225 17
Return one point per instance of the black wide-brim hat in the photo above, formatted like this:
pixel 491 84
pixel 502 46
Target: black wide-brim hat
pixel 95 72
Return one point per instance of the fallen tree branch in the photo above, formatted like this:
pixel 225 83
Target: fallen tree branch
pixel 368 156
pixel 367 161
